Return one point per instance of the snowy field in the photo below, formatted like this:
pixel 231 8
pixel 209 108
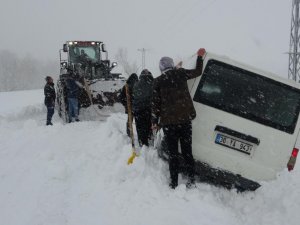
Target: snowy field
pixel 77 174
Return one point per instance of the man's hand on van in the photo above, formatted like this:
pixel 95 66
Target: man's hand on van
pixel 201 52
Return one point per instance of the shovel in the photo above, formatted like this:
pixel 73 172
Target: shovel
pixel 130 119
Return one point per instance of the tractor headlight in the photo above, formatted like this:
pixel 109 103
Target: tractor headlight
pixel 70 43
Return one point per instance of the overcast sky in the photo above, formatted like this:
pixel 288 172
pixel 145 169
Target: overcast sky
pixel 255 32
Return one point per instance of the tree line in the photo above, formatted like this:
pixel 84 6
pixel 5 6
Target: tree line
pixel 24 73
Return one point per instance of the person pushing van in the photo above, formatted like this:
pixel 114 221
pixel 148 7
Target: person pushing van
pixel 173 110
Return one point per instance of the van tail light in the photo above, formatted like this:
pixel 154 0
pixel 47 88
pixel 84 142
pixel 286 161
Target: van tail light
pixel 292 160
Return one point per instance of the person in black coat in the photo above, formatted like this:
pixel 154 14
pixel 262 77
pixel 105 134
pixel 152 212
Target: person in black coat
pixel 142 98
pixel 132 79
pixel 50 96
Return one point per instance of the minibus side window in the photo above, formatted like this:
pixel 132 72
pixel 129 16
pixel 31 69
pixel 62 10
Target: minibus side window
pixel 249 95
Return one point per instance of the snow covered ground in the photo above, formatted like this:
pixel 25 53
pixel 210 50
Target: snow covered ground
pixel 77 174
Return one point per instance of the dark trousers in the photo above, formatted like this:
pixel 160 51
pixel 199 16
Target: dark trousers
pixel 73 108
pixel 143 126
pixel 50 112
pixel 182 133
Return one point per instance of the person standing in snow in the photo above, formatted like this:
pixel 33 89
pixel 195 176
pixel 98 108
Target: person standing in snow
pixel 50 96
pixel 173 109
pixel 132 79
pixel 73 90
pixel 142 97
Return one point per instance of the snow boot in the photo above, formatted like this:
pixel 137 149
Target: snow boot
pixel 174 180
pixel 173 185
pixel 191 182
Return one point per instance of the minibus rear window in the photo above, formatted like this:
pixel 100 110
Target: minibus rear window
pixel 249 95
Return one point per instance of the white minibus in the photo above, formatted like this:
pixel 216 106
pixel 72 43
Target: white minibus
pixel 247 123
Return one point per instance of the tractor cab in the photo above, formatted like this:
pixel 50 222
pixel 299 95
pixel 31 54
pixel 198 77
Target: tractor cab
pixel 88 62
pixel 87 58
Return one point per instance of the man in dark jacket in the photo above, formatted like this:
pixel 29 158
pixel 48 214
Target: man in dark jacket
pixel 173 109
pixel 50 96
pixel 132 79
pixel 73 90
pixel 142 97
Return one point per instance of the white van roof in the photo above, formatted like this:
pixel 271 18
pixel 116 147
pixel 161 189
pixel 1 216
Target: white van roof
pixel 253 69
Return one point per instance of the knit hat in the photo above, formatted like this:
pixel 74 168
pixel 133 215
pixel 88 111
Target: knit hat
pixel 166 63
pixel 147 75
pixel 146 72
pixel 48 78
pixel 132 79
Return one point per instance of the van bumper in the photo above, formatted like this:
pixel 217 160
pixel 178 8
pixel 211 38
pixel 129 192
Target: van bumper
pixel 206 173
pixel 218 177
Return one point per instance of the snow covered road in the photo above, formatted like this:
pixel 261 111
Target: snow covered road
pixel 77 174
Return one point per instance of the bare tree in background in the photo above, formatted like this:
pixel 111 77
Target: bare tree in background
pixel 122 59
pixel 24 73
pixel 8 67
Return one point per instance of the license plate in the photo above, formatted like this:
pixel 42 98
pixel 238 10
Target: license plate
pixel 233 143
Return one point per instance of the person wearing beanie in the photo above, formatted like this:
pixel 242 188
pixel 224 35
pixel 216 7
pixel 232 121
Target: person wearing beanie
pixel 173 110
pixel 132 79
pixel 142 97
pixel 166 64
pixel 50 96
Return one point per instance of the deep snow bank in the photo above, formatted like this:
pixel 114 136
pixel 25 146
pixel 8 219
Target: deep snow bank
pixel 77 174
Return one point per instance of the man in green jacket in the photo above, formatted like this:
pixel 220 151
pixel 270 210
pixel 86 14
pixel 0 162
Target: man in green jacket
pixel 173 110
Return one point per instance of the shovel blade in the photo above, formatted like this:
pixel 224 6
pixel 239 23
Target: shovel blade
pixel 131 158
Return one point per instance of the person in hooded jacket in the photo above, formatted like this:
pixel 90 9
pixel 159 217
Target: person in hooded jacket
pixel 132 79
pixel 173 110
pixel 50 96
pixel 142 97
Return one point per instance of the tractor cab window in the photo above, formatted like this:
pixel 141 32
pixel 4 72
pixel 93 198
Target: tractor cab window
pixel 84 54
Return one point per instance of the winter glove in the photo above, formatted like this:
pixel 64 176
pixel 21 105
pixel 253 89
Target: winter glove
pixel 201 52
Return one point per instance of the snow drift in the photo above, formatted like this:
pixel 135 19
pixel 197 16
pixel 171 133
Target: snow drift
pixel 77 174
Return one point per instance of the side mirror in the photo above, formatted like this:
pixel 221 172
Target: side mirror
pixel 65 48
pixel 103 48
